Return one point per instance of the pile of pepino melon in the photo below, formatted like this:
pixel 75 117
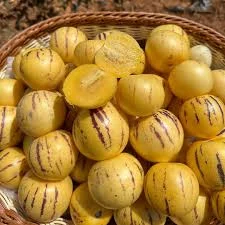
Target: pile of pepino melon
pixel 104 129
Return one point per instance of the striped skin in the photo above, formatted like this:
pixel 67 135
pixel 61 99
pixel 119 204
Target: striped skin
pixel 85 52
pixel 10 133
pixel 100 133
pixel 41 112
pixel 64 41
pixel 117 35
pixel 203 116
pixel 13 166
pixel 221 133
pixel 53 156
pixel 140 213
pixel 42 69
pixel 81 170
pixel 104 35
pixel 207 159
pixel 116 183
pixel 165 49
pixel 85 211
pixel 16 63
pixel 27 141
pixel 218 205
pixel 200 215
pixel 171 188
pixel 16 66
pixel 157 138
pixel 140 95
pixel 44 201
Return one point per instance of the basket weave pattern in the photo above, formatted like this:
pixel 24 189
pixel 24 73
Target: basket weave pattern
pixel 136 24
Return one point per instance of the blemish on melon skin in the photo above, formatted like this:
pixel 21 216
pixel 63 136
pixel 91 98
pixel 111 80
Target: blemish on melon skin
pixel 98 214
pixel 2 123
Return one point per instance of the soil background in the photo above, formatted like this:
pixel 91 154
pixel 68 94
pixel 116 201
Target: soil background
pixel 16 15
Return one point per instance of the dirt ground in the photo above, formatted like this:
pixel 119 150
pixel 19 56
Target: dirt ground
pixel 16 15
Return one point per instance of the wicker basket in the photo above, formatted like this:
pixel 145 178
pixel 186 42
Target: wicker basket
pixel 136 24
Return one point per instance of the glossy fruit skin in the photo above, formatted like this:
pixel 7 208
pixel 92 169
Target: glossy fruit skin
pixel 16 67
pixel 100 133
pixel 42 69
pixel 85 52
pixel 157 138
pixel 17 63
pixel 206 159
pixel 203 116
pixel 166 49
pixel 200 215
pixel 218 85
pixel 44 201
pixel 121 55
pixel 83 87
pixel 32 108
pixel 185 79
pixel 139 213
pixel 84 210
pixel 201 53
pixel 10 133
pixel 13 166
pixel 64 41
pixel 81 170
pixel 168 94
pixel 140 95
pixel 11 92
pixel 218 203
pixel 171 188
pixel 126 175
pixel 53 156
pixel 173 28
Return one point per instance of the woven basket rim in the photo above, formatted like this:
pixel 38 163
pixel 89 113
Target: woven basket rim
pixel 111 18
